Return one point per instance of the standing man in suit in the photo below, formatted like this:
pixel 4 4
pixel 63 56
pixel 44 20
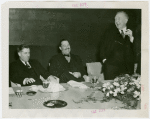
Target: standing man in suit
pixel 117 50
pixel 66 66
pixel 26 71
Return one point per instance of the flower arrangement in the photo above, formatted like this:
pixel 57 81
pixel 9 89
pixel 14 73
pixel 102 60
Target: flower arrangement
pixel 125 88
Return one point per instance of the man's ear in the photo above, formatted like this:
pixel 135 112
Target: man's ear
pixel 126 20
pixel 19 54
pixel 60 48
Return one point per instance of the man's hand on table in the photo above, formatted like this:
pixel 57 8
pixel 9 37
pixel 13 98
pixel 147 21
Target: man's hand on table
pixel 28 80
pixel 76 74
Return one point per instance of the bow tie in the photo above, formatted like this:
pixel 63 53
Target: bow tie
pixel 67 55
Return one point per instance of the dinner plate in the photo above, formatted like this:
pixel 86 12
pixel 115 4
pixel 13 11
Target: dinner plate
pixel 55 103
pixel 31 93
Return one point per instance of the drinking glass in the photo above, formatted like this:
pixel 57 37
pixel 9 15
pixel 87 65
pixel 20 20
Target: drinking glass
pixel 94 81
pixel 45 84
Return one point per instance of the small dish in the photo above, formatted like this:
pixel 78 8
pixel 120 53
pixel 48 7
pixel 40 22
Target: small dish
pixel 31 93
pixel 55 103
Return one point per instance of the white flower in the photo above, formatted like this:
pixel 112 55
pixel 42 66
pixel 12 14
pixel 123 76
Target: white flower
pixel 107 94
pixel 138 86
pixel 116 84
pixel 116 79
pixel 136 93
pixel 123 87
pixel 122 92
pixel 106 84
pixel 104 89
pixel 118 89
pixel 111 86
pixel 111 92
pixel 125 83
pixel 115 94
pixel 139 80
pixel 131 83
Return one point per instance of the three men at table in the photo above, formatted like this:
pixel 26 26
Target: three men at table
pixel 116 54
pixel 26 71
pixel 66 66
pixel 117 50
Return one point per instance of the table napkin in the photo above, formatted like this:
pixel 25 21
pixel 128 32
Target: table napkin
pixel 77 84
pixel 53 87
pixel 11 91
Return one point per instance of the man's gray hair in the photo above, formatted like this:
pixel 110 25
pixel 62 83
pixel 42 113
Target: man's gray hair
pixel 126 15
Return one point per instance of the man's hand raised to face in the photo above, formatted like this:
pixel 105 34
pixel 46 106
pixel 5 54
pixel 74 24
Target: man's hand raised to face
pixel 130 34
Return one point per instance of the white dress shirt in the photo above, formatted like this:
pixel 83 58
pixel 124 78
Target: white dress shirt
pixel 25 63
pixel 124 30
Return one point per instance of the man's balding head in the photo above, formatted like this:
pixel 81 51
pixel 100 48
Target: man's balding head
pixel 121 20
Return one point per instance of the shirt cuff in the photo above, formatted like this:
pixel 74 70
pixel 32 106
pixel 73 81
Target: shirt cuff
pixel 131 39
pixel 104 60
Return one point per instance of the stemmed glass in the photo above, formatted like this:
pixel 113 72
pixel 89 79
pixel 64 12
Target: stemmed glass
pixel 94 81
pixel 46 84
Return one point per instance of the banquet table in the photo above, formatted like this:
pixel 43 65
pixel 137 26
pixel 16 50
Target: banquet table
pixel 76 98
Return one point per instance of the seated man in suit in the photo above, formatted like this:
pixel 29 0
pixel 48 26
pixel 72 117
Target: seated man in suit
pixel 66 66
pixel 117 50
pixel 26 71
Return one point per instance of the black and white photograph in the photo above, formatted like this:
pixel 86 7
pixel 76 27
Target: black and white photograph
pixel 77 57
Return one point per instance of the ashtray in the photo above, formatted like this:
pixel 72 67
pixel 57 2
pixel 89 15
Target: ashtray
pixel 55 103
pixel 31 93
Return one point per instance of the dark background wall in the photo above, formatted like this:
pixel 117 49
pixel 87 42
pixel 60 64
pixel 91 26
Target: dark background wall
pixel 43 28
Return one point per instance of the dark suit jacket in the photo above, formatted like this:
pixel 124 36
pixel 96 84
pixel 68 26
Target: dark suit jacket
pixel 118 52
pixel 137 48
pixel 60 67
pixel 18 72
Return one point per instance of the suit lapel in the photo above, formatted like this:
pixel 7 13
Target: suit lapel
pixel 119 38
pixel 22 65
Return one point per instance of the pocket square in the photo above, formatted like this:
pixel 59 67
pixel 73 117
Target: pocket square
pixel 118 42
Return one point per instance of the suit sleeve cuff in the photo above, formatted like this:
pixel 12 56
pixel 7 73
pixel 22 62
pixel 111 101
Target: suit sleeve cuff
pixel 104 60
pixel 24 81
pixel 131 39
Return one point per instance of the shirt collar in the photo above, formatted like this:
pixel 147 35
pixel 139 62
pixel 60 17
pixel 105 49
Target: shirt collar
pixel 124 29
pixel 24 62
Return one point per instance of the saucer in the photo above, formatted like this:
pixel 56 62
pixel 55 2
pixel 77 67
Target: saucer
pixel 31 93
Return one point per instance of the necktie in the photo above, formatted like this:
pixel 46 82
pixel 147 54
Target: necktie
pixel 122 33
pixel 28 66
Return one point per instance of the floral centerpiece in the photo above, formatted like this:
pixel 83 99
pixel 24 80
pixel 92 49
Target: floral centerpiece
pixel 125 88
